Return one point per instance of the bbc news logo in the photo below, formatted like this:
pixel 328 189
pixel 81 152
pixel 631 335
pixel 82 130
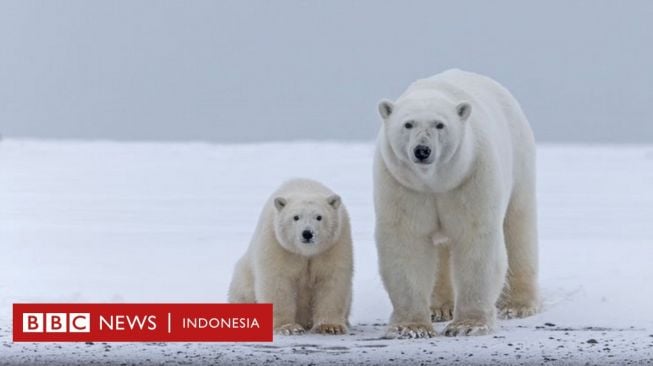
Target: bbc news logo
pixel 142 322
pixel 56 322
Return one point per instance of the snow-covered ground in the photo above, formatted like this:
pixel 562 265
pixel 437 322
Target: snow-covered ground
pixel 127 222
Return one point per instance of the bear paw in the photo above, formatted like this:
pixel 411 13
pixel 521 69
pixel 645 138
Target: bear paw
pixel 512 311
pixel 467 328
pixel 442 312
pixel 330 329
pixel 410 330
pixel 290 329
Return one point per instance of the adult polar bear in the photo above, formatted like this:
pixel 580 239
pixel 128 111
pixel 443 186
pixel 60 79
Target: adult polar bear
pixel 454 192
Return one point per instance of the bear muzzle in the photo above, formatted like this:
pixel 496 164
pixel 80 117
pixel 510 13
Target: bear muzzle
pixel 307 237
pixel 422 153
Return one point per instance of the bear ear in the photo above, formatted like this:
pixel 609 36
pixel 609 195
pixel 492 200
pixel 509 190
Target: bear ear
pixel 334 201
pixel 280 203
pixel 463 110
pixel 385 108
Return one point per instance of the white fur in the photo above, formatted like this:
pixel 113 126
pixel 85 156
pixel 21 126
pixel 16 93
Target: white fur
pixel 309 284
pixel 447 230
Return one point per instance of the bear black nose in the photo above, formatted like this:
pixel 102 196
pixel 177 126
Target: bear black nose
pixel 307 235
pixel 422 152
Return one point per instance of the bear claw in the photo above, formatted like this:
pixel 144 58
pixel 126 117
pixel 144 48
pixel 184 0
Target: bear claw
pixel 516 312
pixel 290 329
pixel 408 331
pixel 463 328
pixel 334 329
pixel 442 313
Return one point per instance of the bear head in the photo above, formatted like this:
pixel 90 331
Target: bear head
pixel 307 225
pixel 424 132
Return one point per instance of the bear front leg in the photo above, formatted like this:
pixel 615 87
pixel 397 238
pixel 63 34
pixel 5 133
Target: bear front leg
pixel 408 273
pixel 479 267
pixel 282 293
pixel 332 299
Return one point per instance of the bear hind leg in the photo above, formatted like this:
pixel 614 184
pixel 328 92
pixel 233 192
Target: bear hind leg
pixel 519 298
pixel 241 289
pixel 442 297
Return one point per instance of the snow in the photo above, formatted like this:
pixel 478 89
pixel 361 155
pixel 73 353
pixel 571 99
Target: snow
pixel 150 222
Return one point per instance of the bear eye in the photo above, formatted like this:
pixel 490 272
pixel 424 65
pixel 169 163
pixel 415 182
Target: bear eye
pixel 296 218
pixel 439 126
pixel 408 125
pixel 318 218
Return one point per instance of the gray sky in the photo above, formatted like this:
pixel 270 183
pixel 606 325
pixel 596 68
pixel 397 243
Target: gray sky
pixel 282 70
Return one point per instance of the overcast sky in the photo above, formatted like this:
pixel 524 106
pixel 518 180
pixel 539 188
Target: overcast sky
pixel 241 71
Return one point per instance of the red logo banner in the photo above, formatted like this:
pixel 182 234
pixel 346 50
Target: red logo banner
pixel 142 322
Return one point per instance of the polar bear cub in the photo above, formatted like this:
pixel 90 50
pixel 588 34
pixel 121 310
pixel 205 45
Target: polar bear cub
pixel 300 260
pixel 454 191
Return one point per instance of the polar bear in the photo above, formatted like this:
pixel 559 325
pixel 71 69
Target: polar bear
pixel 300 260
pixel 454 194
